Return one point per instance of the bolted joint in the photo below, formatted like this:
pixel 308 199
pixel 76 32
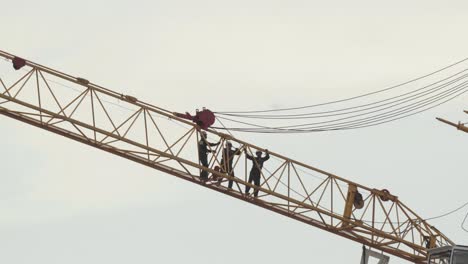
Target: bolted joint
pixel 82 81
pixel 129 98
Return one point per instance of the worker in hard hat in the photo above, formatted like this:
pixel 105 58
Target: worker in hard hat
pixel 228 157
pixel 203 150
pixel 256 171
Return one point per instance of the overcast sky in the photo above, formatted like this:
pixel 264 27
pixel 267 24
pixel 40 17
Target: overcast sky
pixel 62 202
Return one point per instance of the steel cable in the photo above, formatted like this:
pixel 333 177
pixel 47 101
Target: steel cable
pixel 350 98
pixel 318 114
pixel 333 126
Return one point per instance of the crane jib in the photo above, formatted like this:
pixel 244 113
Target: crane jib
pixel 144 133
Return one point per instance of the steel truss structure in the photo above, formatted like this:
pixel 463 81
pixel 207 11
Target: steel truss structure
pixel 93 115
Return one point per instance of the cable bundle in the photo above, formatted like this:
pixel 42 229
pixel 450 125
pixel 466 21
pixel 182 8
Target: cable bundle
pixel 366 110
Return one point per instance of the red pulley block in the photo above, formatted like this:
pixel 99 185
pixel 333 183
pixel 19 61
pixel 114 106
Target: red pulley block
pixel 18 63
pixel 204 119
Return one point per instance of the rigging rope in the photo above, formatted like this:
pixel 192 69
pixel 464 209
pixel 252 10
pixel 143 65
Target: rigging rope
pixel 448 213
pixel 463 223
pixel 355 116
pixel 377 119
pixel 350 98
pixel 318 114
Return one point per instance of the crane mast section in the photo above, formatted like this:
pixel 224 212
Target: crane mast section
pixel 130 128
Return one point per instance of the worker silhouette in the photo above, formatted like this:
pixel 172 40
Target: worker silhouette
pixel 256 171
pixel 227 160
pixel 203 150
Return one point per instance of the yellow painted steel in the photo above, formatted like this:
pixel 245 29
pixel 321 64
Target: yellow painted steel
pixel 291 187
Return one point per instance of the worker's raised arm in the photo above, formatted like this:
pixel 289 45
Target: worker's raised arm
pixel 248 156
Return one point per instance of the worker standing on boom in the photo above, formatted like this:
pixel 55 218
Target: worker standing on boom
pixel 256 171
pixel 203 150
pixel 227 160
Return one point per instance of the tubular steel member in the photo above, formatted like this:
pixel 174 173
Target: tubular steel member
pixel 459 126
pixel 370 216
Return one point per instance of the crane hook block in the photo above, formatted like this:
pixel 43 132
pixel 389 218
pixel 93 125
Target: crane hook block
pixel 204 119
pixel 18 63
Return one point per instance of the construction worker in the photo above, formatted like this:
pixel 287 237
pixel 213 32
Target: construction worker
pixel 227 160
pixel 203 150
pixel 256 171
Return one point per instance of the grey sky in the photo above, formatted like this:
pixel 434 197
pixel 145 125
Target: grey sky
pixel 62 202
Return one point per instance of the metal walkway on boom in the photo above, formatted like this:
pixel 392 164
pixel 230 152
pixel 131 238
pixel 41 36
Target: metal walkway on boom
pixel 30 93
